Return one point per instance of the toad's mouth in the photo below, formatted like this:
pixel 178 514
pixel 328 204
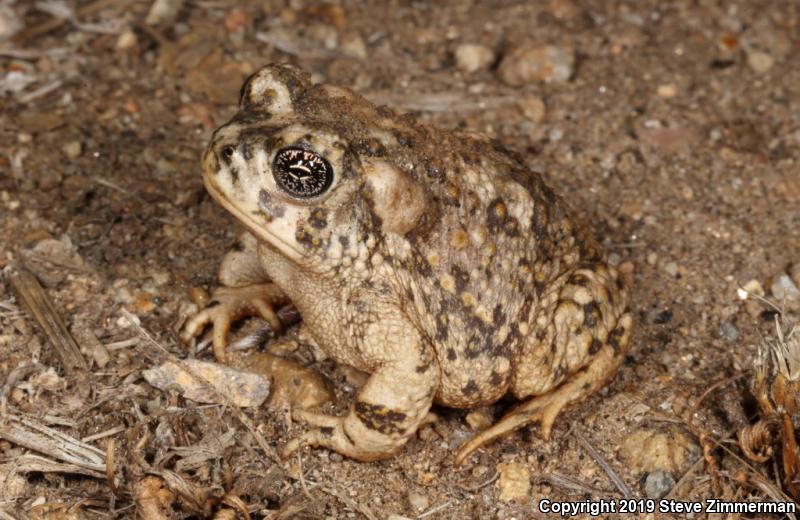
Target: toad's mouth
pixel 287 248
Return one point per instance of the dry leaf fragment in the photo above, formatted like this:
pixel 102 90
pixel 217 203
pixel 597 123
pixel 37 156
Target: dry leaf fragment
pixel 193 377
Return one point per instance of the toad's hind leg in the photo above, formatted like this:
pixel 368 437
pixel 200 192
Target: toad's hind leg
pixel 545 408
pixel 605 353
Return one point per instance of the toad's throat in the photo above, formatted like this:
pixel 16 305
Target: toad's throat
pixel 257 229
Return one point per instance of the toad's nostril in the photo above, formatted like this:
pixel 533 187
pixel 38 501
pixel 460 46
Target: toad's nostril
pixel 227 153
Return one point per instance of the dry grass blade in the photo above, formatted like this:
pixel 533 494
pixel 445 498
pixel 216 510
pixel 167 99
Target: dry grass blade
pixel 31 463
pixel 435 510
pixel 29 34
pixel 192 496
pixel 440 101
pixel 571 483
pixel 110 465
pixel 5 515
pixel 40 306
pixel 210 447
pixel 364 510
pixel 767 487
pixel 37 437
pixel 472 489
pixel 612 475
pixel 237 504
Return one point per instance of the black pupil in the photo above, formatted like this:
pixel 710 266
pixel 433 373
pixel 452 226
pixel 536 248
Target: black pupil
pixel 302 173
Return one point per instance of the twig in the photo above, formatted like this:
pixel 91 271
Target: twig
pixel 4 515
pixel 86 10
pixel 39 305
pixel 33 54
pixel 41 91
pixel 436 509
pixel 364 510
pixel 108 433
pixel 110 466
pixel 30 463
pixel 612 475
pixel 571 483
pixel 439 101
pixel 715 386
pixel 37 437
pixel 125 343
pixel 475 488
pixel 301 478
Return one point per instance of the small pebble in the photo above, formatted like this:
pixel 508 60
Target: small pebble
pixel 525 65
pixel 750 288
pixel 353 45
pixel 514 481
pixel 72 150
pixel 671 268
pixel 668 90
pixel 564 9
pixel 729 331
pixel 794 272
pixel 533 108
pixel 652 258
pixel 418 501
pixel 784 288
pixel 127 40
pixel 667 449
pixel 9 22
pixel 759 61
pixel 658 483
pixel 479 419
pixel 472 57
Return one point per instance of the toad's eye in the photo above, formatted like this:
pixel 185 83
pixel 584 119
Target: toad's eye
pixel 301 173
pixel 227 153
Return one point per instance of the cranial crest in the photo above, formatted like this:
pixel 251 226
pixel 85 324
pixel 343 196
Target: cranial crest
pixel 273 88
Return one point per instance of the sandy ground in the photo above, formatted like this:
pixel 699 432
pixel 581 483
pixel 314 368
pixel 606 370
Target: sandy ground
pixel 674 128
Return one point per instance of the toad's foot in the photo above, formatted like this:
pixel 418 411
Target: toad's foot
pixel 545 408
pixel 336 434
pixel 230 304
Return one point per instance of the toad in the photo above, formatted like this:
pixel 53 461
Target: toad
pixel 434 261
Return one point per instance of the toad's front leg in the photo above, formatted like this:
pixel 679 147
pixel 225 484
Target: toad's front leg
pixel 246 291
pixel 389 407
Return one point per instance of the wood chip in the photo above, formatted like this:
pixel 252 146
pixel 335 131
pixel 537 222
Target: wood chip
pixel 39 305
pixel 191 376
pixel 35 436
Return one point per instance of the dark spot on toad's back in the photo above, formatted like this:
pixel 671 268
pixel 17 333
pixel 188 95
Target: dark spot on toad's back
pixel 496 215
pixel 470 388
pixel 591 313
pixel 461 277
pixel 317 219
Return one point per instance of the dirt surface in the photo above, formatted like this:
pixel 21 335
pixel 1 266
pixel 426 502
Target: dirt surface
pixel 673 127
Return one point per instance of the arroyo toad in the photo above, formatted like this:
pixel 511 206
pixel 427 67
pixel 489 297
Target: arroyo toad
pixel 434 261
